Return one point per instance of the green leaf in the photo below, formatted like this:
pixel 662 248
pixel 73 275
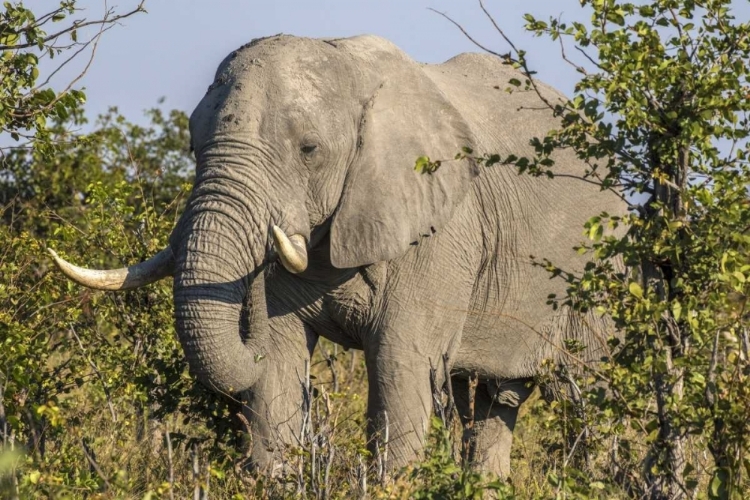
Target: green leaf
pixel 421 164
pixel 719 488
pixel 34 476
pixel 676 310
pixel 635 289
pixel 595 231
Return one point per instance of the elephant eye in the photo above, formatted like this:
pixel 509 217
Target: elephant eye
pixel 308 148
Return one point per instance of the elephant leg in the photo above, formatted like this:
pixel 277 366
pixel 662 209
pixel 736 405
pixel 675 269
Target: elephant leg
pixel 398 408
pixel 420 313
pixel 496 408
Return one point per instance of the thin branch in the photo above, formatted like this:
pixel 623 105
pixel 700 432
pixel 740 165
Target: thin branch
pixel 522 60
pixel 590 59
pixel 565 58
pixel 78 25
pixel 90 458
pixel 170 463
pixel 60 95
pixel 449 386
pixel 499 30
pixel 41 20
pixel 98 374
pixel 63 64
pixel 505 57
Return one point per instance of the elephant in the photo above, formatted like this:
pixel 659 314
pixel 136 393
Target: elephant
pixel 307 219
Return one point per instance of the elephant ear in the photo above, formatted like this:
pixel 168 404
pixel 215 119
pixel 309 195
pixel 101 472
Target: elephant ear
pixel 386 206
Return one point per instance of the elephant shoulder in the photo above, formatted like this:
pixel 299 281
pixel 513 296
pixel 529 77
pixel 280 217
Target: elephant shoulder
pixel 501 122
pixel 488 71
pixel 473 62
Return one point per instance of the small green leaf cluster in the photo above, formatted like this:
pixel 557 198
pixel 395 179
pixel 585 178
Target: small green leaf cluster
pixel 24 106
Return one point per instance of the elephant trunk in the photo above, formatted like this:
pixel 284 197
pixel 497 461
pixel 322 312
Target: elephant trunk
pixel 220 306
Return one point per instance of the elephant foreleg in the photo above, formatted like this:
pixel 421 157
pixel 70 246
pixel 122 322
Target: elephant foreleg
pixel 494 417
pixel 398 409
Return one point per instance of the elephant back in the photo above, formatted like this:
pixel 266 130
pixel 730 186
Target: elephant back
pixel 545 216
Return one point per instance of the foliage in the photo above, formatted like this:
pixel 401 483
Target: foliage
pixel 26 103
pixel 41 192
pixel 96 400
pixel 660 118
pixel 441 478
pixel 60 342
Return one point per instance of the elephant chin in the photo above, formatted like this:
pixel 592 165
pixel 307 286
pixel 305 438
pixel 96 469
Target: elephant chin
pixel 224 335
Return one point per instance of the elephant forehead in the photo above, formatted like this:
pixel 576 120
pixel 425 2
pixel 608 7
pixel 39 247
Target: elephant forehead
pixel 301 87
pixel 291 64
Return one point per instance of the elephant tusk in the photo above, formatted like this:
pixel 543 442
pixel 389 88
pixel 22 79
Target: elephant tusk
pixel 292 250
pixel 157 267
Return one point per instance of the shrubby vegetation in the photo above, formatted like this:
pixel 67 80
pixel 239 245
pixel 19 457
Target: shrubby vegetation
pixel 96 399
pixel 660 115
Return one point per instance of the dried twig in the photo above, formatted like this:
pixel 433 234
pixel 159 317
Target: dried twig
pixel 362 468
pixel 469 440
pixel 170 463
pixel 437 394
pixel 451 403
pixel 91 458
pixel 331 362
pixel 196 473
pixel 97 372
pixel 306 429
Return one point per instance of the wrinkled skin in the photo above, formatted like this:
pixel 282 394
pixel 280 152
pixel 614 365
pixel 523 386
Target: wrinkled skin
pixel 320 137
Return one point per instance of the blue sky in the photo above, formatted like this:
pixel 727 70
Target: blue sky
pixel 173 50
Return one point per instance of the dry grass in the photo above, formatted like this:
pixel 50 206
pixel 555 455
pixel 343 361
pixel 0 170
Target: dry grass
pixel 137 457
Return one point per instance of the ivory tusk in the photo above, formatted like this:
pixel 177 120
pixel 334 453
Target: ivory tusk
pixel 292 250
pixel 157 267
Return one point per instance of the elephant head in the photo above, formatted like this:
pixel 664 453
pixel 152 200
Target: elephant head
pixel 299 144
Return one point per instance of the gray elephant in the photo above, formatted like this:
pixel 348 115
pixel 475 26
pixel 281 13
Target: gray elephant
pixel 308 219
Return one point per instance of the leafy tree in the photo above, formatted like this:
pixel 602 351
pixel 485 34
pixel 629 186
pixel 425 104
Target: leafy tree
pixel 26 103
pixel 660 114
pixel 40 192
pixel 68 353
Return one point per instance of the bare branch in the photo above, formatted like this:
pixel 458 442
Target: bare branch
pixel 63 64
pixel 89 454
pixel 505 57
pixel 98 373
